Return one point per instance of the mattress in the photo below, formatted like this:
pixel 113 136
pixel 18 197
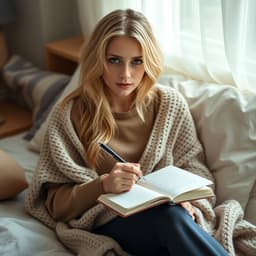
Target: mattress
pixel 21 234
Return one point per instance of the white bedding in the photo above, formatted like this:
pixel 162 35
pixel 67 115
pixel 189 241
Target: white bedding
pixel 20 234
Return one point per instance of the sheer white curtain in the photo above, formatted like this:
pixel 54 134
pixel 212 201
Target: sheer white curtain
pixel 91 11
pixel 209 40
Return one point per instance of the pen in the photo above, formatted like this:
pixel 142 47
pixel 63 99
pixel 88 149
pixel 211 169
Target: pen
pixel 111 152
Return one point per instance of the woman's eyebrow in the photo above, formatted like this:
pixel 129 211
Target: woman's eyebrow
pixel 121 57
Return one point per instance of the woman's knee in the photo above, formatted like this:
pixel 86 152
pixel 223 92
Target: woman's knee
pixel 173 215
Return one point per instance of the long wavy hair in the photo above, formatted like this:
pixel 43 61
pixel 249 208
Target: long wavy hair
pixel 96 120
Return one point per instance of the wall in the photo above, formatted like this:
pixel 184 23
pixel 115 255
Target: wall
pixel 39 22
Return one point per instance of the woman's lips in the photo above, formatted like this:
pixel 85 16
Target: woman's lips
pixel 124 85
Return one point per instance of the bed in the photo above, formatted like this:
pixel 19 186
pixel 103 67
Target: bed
pixel 20 234
pixel 38 90
pixel 226 125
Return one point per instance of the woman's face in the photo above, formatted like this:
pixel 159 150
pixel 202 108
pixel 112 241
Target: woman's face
pixel 125 68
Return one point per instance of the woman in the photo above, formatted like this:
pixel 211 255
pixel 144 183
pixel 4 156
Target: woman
pixel 118 103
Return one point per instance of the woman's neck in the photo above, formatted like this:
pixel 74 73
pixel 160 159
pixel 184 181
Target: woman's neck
pixel 122 104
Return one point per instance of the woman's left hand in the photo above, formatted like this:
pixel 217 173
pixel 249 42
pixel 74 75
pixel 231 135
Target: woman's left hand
pixel 189 207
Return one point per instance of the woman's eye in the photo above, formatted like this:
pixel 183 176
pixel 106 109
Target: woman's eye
pixel 137 61
pixel 114 60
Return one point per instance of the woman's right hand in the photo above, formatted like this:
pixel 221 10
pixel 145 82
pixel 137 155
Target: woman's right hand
pixel 121 178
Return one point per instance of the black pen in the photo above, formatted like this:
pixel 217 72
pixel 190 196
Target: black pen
pixel 112 153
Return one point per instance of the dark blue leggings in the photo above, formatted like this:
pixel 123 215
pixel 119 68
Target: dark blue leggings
pixel 162 230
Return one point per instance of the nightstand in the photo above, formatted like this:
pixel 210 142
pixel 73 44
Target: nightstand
pixel 17 118
pixel 63 55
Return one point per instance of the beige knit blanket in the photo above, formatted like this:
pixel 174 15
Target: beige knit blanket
pixel 173 141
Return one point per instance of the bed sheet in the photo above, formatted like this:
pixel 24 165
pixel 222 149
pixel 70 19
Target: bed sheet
pixel 21 234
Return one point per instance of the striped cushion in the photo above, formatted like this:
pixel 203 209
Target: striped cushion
pixel 36 143
pixel 35 88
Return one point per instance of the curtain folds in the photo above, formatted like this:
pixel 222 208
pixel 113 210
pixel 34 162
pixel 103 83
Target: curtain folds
pixel 208 40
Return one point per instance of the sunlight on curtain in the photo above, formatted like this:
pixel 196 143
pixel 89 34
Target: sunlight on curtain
pixel 91 11
pixel 240 40
pixel 215 40
pixel 199 46
pixel 209 40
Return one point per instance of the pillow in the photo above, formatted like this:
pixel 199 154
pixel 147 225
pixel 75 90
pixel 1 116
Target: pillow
pixel 12 177
pixel 37 89
pixel 36 142
pixel 251 206
pixel 225 122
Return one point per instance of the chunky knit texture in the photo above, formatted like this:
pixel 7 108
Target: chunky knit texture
pixel 173 141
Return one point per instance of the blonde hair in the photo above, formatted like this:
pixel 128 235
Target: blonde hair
pixel 97 123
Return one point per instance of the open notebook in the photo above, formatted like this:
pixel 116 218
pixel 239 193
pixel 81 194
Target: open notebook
pixel 170 184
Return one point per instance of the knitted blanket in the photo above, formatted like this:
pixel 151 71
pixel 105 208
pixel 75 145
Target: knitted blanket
pixel 173 141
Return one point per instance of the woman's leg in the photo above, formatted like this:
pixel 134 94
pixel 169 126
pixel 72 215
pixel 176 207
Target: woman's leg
pixel 162 230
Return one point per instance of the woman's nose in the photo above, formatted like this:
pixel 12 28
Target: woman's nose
pixel 125 71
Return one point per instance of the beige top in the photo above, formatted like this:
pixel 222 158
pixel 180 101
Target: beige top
pixel 68 201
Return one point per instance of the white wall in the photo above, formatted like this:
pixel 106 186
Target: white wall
pixel 39 22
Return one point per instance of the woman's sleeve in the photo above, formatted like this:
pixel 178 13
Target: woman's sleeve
pixel 68 201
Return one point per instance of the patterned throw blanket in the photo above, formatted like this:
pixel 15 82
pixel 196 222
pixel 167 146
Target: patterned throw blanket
pixel 62 161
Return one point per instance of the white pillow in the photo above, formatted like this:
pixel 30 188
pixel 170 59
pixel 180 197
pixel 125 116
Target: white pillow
pixel 250 213
pixel 36 142
pixel 225 121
